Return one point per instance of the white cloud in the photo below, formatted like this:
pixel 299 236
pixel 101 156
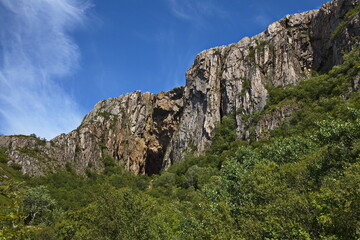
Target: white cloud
pixel 263 20
pixel 195 10
pixel 36 53
pixel 181 9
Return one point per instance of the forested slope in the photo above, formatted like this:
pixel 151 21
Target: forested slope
pixel 299 181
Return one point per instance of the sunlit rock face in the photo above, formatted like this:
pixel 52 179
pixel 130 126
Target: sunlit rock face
pixel 148 132
pixel 234 78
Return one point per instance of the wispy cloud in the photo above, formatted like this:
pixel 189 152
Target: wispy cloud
pixel 263 20
pixel 36 53
pixel 195 10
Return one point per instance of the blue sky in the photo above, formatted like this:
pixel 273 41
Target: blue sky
pixel 60 57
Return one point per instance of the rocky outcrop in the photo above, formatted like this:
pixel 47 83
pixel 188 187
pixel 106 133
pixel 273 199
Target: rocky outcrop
pixel 235 78
pixel 259 124
pixel 148 132
pixel 135 129
pixel 329 37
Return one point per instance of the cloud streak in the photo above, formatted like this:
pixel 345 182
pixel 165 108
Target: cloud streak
pixel 36 54
pixel 263 20
pixel 195 10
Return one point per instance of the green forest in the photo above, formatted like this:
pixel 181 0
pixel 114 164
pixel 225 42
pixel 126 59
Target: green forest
pixel 300 182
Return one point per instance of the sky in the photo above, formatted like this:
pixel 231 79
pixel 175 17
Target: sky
pixel 58 58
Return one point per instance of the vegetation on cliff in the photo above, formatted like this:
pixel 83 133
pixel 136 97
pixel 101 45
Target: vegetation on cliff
pixel 301 182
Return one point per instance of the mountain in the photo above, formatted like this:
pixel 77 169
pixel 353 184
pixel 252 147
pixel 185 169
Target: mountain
pixel 263 142
pixel 148 132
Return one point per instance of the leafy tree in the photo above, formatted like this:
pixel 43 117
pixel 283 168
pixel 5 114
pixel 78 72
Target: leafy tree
pixel 118 214
pixel 38 205
pixel 11 213
pixel 338 205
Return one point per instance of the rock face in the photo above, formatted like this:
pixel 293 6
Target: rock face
pixel 234 78
pixel 148 132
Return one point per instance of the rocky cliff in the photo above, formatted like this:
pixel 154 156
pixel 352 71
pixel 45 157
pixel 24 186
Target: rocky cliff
pixel 148 132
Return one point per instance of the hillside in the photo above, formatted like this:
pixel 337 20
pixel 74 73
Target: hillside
pixel 263 142
pixel 300 182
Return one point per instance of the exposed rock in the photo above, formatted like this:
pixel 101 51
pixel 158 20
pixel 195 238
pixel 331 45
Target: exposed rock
pixel 148 132
pixel 234 78
pixel 329 48
pixel 134 129
pixel 229 78
pixel 257 129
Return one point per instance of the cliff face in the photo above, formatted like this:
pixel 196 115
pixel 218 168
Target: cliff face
pixel 148 132
pixel 235 78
